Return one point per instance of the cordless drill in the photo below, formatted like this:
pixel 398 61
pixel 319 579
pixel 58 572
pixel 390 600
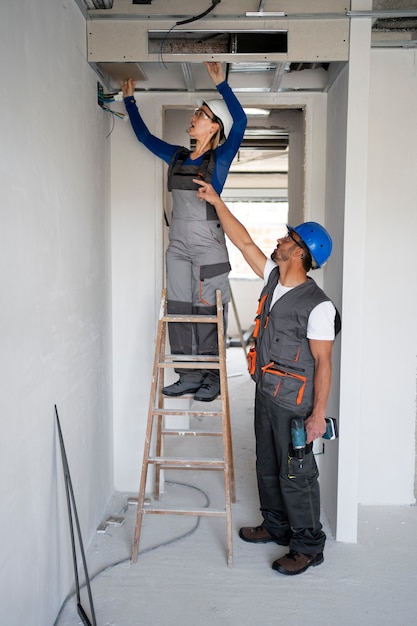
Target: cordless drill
pixel 298 438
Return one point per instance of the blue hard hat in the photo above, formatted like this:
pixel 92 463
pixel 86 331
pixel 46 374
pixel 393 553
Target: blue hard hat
pixel 317 240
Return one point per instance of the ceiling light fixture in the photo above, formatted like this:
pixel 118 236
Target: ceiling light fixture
pixel 265 14
pixel 253 112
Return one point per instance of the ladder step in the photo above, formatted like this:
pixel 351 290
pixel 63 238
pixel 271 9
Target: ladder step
pixel 192 365
pixel 186 412
pixel 196 319
pixel 198 512
pixel 191 433
pixel 192 357
pixel 167 463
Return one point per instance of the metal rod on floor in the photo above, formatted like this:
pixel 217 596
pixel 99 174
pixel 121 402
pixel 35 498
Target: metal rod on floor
pixel 72 509
pixel 239 327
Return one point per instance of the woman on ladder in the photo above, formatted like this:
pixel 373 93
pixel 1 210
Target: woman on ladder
pixel 197 261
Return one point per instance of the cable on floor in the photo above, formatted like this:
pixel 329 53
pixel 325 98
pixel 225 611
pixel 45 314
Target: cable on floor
pixel 160 545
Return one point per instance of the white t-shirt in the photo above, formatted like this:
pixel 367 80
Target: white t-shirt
pixel 321 319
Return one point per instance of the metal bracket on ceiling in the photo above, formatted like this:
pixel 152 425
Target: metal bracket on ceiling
pixel 188 77
pixel 412 13
pixel 279 73
pixel 261 13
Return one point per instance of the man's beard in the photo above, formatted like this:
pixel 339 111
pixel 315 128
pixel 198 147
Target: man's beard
pixel 274 255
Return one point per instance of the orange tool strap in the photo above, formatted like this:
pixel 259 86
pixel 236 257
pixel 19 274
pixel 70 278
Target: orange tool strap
pixel 201 293
pixel 258 316
pixel 251 356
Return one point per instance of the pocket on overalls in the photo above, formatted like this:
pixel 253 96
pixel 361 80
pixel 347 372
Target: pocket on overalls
pixel 283 349
pixel 213 277
pixel 217 232
pixel 285 386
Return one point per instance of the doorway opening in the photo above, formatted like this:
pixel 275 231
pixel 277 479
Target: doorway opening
pixel 259 189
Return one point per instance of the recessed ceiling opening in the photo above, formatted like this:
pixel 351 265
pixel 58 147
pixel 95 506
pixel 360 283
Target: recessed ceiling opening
pixel 213 42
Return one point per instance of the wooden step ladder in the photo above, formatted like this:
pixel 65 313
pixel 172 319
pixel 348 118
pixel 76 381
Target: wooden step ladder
pixel 156 431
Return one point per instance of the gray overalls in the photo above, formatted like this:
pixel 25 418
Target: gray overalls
pixel 197 261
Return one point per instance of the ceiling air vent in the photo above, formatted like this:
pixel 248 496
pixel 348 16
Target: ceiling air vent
pixel 213 42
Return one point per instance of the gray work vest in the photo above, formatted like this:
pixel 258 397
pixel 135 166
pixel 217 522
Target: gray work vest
pixel 284 366
pixel 180 182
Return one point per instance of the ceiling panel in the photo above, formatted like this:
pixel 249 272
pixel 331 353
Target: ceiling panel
pixel 312 50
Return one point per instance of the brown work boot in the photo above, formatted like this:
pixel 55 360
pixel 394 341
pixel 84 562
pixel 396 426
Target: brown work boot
pixel 259 534
pixel 296 563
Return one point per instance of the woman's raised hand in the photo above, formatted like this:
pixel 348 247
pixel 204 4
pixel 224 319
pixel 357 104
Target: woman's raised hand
pixel 215 71
pixel 128 87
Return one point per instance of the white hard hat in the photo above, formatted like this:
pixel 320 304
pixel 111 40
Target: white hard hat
pixel 219 109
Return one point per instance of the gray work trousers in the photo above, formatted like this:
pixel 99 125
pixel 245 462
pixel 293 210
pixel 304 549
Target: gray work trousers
pixel 289 494
pixel 197 265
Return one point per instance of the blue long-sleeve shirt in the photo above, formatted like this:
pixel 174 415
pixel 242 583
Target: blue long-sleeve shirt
pixel 225 153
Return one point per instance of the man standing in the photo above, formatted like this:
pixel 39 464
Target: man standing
pixel 291 365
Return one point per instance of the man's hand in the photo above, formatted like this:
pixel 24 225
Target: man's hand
pixel 128 87
pixel 315 427
pixel 215 71
pixel 206 191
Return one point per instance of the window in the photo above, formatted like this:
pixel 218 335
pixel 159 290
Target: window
pixel 265 222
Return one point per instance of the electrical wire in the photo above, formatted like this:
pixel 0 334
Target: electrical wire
pixel 160 57
pixel 151 549
pixel 120 116
pixel 112 126
pixel 107 97
pixel 104 99
pixel 214 3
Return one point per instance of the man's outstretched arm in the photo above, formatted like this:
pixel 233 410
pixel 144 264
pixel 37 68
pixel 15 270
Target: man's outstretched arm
pixel 234 229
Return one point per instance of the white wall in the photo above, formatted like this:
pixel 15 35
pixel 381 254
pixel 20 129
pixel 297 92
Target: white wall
pixel 56 295
pixel 136 183
pixel 353 293
pixel 388 402
pixel 379 336
pixel 337 100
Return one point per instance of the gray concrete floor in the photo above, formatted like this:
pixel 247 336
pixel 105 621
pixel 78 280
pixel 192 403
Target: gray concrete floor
pixel 181 576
